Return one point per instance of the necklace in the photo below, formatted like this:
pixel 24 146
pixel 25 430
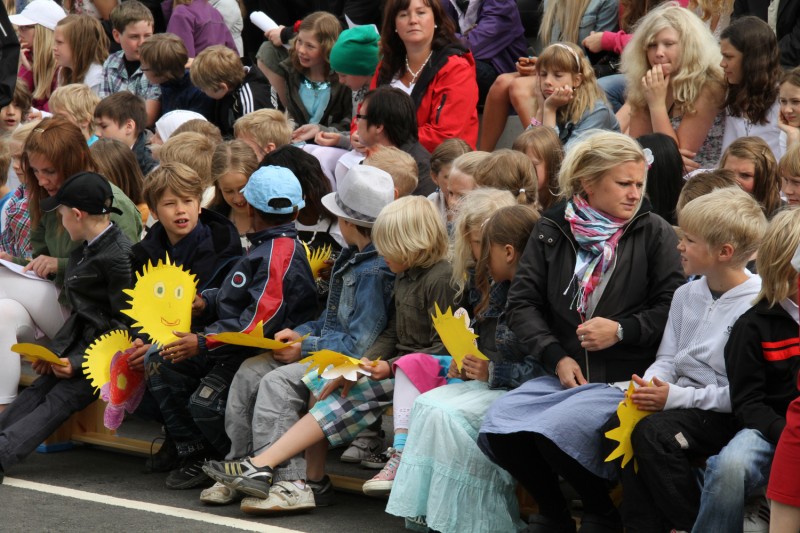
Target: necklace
pixel 316 86
pixel 414 75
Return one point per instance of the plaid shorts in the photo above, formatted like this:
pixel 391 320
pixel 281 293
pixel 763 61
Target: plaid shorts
pixel 341 419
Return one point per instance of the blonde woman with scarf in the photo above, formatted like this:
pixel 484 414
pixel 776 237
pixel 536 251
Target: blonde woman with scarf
pixel 590 299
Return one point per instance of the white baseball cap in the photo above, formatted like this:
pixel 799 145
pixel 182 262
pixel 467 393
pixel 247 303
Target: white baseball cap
pixel 43 12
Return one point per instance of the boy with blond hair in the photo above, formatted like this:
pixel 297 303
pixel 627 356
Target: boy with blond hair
pixel 195 151
pixel 163 60
pixel 238 90
pixel 76 102
pixel 399 165
pixel 132 24
pixel 687 386
pixel 264 130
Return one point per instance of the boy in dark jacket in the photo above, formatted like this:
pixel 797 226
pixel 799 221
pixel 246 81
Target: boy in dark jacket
pixel 122 116
pixel 272 288
pixel 201 241
pixel 163 60
pixel 96 275
pixel 238 90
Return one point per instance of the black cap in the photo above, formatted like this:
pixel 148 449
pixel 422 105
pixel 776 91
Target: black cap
pixel 86 191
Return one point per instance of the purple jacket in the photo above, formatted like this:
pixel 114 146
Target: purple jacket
pixel 198 25
pixel 498 36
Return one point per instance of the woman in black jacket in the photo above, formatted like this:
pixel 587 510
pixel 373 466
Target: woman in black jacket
pixel 591 298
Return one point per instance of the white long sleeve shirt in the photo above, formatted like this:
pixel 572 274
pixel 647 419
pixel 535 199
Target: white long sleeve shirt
pixel 690 357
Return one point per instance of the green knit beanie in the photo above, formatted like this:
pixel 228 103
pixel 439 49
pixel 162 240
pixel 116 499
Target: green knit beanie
pixel 356 51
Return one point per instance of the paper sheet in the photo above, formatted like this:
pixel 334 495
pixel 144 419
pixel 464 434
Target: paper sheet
pixel 18 269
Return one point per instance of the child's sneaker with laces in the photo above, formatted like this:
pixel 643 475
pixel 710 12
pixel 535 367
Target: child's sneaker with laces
pixel 220 494
pixel 323 491
pixel 190 474
pixel 366 444
pixel 284 497
pixel 377 461
pixel 381 484
pixel 242 475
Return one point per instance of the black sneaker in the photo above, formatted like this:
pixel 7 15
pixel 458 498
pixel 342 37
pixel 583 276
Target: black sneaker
pixel 166 459
pixel 377 461
pixel 188 476
pixel 323 491
pixel 242 475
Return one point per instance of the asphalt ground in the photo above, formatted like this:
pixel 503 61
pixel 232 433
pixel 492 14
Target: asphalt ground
pixel 91 489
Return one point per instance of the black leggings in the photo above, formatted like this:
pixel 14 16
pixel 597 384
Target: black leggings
pixel 536 462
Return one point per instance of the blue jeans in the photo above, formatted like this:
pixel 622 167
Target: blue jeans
pixel 741 468
pixel 614 87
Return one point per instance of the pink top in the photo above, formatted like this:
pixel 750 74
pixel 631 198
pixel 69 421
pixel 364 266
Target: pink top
pixel 615 41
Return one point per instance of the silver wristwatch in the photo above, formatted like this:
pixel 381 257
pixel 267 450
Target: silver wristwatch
pixel 619 331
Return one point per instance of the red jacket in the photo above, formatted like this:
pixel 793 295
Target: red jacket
pixel 448 107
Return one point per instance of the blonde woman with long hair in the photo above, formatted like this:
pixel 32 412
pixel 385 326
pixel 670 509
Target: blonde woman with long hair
pixel 675 84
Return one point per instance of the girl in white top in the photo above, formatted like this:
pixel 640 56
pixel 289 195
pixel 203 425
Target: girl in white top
pixel 751 63
pixel 81 47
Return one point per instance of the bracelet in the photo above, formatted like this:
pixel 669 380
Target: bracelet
pixel 535 122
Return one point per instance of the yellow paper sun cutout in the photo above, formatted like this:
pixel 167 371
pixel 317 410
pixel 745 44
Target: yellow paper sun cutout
pixel 33 352
pixel 161 301
pixel 629 415
pixel 340 365
pixel 317 258
pixel 455 336
pixel 97 361
pixel 255 338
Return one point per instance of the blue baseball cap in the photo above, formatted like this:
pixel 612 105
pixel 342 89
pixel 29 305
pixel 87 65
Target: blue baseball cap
pixel 274 190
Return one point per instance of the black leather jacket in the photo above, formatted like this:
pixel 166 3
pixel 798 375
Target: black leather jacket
pixel 638 295
pixel 95 277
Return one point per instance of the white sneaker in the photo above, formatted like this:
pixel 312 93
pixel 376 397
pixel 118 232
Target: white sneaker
pixel 284 497
pixel 756 516
pixel 366 444
pixel 219 494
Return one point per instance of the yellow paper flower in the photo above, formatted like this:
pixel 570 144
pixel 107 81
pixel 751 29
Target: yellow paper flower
pixel 455 335
pixel 255 338
pixel 629 415
pixel 317 258
pixel 97 361
pixel 33 352
pixel 332 364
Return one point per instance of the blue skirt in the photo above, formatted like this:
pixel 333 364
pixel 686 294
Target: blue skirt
pixel 443 475
pixel 574 419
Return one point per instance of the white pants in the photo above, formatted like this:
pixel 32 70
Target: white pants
pixel 28 309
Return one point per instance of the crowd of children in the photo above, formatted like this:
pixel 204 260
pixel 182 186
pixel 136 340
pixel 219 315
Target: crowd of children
pixel 647 242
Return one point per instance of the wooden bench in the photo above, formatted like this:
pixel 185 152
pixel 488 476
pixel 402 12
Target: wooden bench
pixel 87 427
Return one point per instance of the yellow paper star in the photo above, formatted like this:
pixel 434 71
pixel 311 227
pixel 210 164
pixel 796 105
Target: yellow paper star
pixel 33 352
pixel 97 361
pixel 254 339
pixel 455 336
pixel 317 258
pixel 629 415
pixel 332 364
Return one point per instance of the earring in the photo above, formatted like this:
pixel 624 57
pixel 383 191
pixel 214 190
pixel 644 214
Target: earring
pixel 435 26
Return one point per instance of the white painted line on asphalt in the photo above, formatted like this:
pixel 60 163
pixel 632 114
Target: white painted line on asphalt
pixel 136 505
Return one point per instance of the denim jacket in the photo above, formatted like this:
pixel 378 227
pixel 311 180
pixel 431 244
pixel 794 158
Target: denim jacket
pixel 509 366
pixel 359 303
